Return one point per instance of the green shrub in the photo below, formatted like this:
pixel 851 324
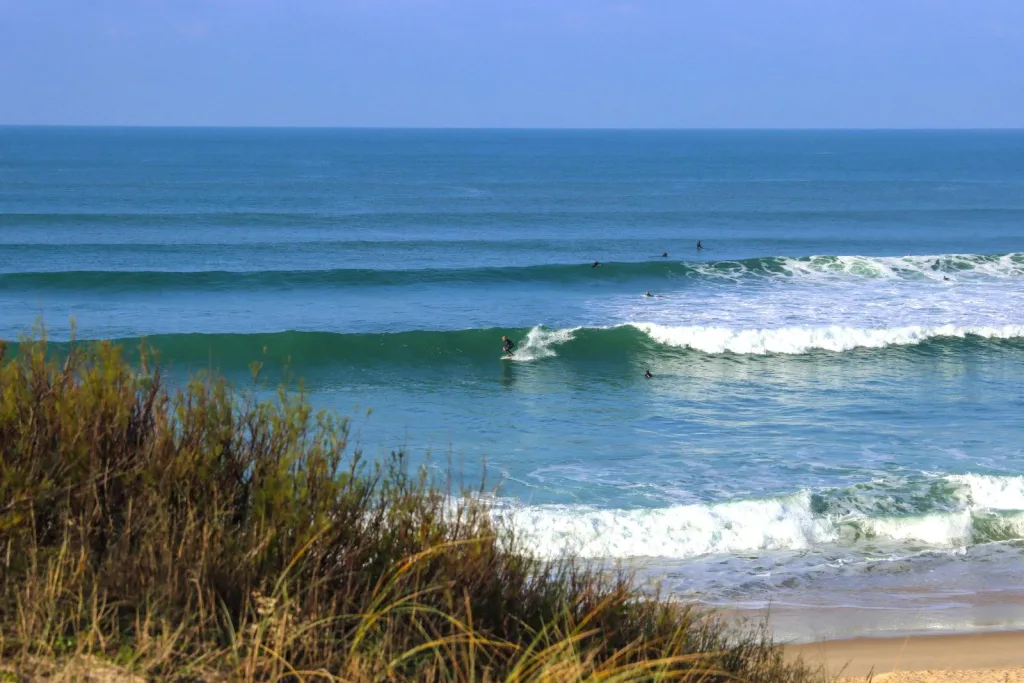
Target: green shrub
pixel 201 533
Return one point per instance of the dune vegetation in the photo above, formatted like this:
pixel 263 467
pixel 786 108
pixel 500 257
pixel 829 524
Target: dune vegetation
pixel 200 532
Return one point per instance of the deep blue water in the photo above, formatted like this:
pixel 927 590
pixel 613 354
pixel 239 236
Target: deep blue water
pixel 837 374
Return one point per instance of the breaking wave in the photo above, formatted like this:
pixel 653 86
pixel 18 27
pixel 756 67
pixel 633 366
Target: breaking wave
pixel 538 344
pixel 797 340
pixel 956 266
pixel 945 512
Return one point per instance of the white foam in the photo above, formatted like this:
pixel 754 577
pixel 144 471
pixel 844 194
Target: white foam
pixel 940 529
pixel 796 340
pixel 989 491
pixel 921 267
pixel 1006 525
pixel 540 343
pixel 830 303
pixel 784 523
pixel 727 528
pixel 677 531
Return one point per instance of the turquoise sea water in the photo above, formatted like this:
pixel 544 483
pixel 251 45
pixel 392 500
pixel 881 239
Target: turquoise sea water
pixel 835 417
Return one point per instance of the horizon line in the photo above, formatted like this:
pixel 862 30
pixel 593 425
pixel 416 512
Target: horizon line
pixel 517 128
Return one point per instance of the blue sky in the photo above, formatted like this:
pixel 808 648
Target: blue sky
pixel 515 63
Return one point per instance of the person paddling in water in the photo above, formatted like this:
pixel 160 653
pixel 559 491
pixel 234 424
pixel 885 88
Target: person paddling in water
pixel 507 345
pixel 647 374
pixel 597 264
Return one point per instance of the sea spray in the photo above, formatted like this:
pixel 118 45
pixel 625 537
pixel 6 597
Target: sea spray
pixel 797 340
pixel 953 511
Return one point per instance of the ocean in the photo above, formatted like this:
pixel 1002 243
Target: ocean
pixel 835 419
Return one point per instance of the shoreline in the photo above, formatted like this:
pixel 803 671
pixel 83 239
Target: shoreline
pixel 983 653
pixel 928 613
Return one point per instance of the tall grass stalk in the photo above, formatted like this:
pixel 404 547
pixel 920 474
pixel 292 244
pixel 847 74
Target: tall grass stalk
pixel 201 533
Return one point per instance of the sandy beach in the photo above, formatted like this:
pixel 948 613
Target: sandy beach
pixel 967 658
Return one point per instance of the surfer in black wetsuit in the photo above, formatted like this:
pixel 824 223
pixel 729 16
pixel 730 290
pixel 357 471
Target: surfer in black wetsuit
pixel 647 374
pixel 597 264
pixel 507 345
pixel 664 254
pixel 700 247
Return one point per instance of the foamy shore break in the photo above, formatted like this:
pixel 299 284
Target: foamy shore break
pixel 958 510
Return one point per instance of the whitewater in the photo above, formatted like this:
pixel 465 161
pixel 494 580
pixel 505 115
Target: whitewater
pixel 834 414
pixel 953 511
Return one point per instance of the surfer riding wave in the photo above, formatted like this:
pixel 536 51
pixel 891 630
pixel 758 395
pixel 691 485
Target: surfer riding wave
pixel 507 345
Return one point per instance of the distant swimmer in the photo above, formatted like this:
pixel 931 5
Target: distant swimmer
pixel 597 264
pixel 648 293
pixel 507 345
pixel 664 254
pixel 946 278
pixel 647 374
pixel 700 246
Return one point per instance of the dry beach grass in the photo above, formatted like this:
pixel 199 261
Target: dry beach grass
pixel 201 533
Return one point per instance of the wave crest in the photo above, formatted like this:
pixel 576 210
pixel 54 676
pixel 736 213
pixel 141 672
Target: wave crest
pixel 797 340
pixel 483 346
pixel 973 509
pixel 937 267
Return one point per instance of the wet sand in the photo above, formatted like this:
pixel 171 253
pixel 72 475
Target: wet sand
pixel 979 676
pixel 967 658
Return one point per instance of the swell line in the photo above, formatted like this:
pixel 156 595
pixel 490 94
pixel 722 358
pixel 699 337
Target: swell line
pixel 909 267
pixel 427 348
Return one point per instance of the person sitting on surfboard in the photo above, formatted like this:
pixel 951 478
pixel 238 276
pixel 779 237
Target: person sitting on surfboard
pixel 597 264
pixel 664 254
pixel 507 345
pixel 647 373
